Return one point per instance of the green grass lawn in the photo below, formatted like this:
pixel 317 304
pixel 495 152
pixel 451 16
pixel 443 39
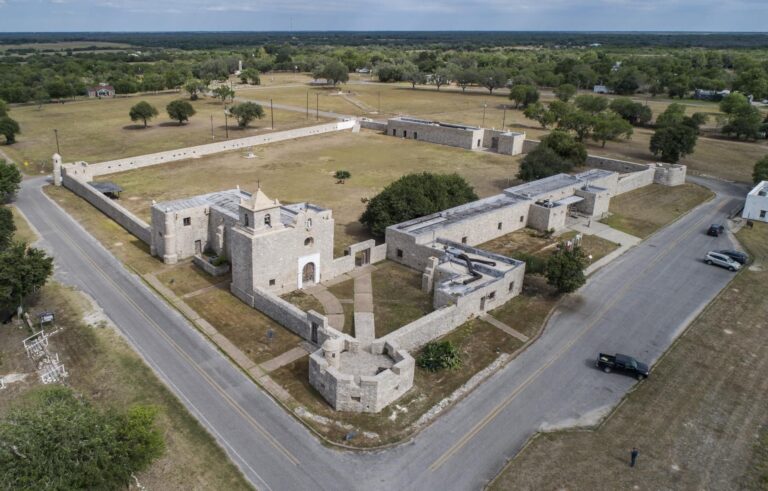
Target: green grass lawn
pixel 397 297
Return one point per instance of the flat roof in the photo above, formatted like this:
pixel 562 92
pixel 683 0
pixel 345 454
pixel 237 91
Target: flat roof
pixel 530 190
pixel 761 186
pixel 408 119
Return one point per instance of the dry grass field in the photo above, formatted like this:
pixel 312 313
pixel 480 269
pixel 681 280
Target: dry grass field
pixel 701 421
pixel 643 211
pixel 95 130
pixel 302 170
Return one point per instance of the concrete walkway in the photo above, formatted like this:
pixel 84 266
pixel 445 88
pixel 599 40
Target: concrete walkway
pixel 288 357
pixel 497 323
pixel 365 330
pixel 333 309
pixel 593 227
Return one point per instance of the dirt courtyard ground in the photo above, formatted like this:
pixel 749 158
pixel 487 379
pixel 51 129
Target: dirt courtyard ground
pixel 701 420
pixel 302 170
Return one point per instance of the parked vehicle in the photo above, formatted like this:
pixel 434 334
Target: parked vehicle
pixel 622 363
pixel 738 256
pixel 715 230
pixel 719 259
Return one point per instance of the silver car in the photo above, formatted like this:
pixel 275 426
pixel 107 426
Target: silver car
pixel 720 259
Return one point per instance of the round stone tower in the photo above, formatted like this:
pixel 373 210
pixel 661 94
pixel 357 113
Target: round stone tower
pixel 56 169
pixel 332 348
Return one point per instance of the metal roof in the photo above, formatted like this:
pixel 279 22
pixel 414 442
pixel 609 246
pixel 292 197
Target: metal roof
pixel 569 200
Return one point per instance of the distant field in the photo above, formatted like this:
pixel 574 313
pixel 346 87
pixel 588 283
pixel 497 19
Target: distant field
pixel 65 45
pixel 95 130
pixel 302 170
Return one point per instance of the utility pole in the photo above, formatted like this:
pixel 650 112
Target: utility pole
pixel 307 104
pixel 484 106
pixel 226 125
pixel 504 118
pixel 56 133
pixel 272 113
pixel 317 106
pixel 379 112
pixel 212 137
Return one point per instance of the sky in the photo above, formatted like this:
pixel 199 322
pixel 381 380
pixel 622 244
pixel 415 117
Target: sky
pixel 370 15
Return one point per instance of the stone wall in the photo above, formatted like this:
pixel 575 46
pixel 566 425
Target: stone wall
pixel 509 143
pixel 543 218
pixel 370 124
pixel 130 163
pixel 615 165
pixel 109 207
pixel 635 180
pixel 470 139
pixel 347 262
pixel 204 264
pixel 669 174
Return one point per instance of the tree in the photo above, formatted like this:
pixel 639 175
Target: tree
pixel 542 162
pixel 466 77
pixel 58 440
pixel 173 79
pixel 342 175
pixel 439 355
pixel 610 126
pixel 180 110
pixel 10 180
pixel 9 128
pixel 334 71
pixel 566 147
pixel 636 113
pixel 538 112
pixel 760 173
pixel 442 76
pixel 195 86
pixel 413 196
pixel 673 142
pixel 743 119
pixel 578 121
pixel 493 78
pixel 565 269
pixel 672 115
pixel 125 85
pixel 3 108
pixel 224 92
pixel 152 82
pixel 415 76
pixel 7 227
pixel 23 271
pixel 245 112
pixel 523 95
pixel 250 75
pixel 565 92
pixel 592 104
pixel 143 111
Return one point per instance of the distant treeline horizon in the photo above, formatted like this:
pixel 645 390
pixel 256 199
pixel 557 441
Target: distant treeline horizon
pixel 444 39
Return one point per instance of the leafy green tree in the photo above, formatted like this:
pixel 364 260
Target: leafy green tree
pixel 610 126
pixel 245 112
pixel 580 122
pixel 674 141
pixel 4 108
pixel 334 71
pixel 413 196
pixel 342 175
pixel 542 162
pixel 493 78
pixel 224 92
pixel 41 97
pixel 58 440
pixel 439 355
pixel 441 76
pixel 9 128
pixel 538 112
pixel 626 81
pixel 153 82
pixel 10 180
pixel 523 95
pixel 143 111
pixel 672 115
pixel 636 113
pixel 565 269
pixel 23 271
pixel 173 79
pixel 194 87
pixel 760 173
pixel 415 77
pixel 250 75
pixel 566 147
pixel 592 104
pixel 466 77
pixel 560 110
pixel 743 119
pixel 564 92
pixel 180 110
pixel 7 227
pixel 125 85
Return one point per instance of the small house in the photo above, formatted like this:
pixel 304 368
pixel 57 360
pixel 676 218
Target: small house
pixel 101 90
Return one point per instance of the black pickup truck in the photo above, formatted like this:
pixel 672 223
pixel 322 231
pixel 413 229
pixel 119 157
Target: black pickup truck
pixel 622 363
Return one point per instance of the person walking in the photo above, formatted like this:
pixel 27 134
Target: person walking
pixel 633 456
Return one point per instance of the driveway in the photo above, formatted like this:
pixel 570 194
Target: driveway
pixel 638 304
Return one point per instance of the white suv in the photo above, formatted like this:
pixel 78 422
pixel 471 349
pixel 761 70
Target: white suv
pixel 721 260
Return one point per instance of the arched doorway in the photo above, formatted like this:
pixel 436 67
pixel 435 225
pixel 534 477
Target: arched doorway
pixel 308 274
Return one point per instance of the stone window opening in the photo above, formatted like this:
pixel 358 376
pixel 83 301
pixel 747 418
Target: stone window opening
pixel 464 240
pixel 394 132
pixel 272 282
pixel 415 135
pixel 762 213
pixel 268 220
pixel 499 226
pixel 187 221
pixel 309 241
pixel 521 218
pixel 492 296
pixel 405 133
pixel 355 398
pixel 399 253
pixel 245 220
pixel 512 286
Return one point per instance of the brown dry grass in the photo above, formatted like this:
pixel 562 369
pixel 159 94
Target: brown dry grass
pixel 643 211
pixel 302 170
pixel 700 422
pixel 397 297
pixel 530 242
pixel 526 313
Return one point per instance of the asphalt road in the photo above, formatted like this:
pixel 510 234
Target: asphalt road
pixel 638 305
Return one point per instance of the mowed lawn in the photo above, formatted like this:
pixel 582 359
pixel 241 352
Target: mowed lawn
pixel 701 420
pixel 96 130
pixel 302 170
pixel 645 210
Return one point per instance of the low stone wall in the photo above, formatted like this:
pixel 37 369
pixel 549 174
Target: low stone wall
pixel 109 207
pixel 208 267
pixel 669 174
pixel 370 124
pixel 615 165
pixel 423 330
pixel 346 263
pixel 130 163
pixel 635 180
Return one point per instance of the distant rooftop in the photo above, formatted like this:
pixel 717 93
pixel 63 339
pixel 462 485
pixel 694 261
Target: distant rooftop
pixel 437 123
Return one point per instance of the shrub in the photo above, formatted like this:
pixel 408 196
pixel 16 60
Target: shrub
pixel 342 174
pixel 435 356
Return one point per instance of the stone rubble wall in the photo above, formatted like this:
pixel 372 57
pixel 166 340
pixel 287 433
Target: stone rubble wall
pixel 109 207
pixel 635 180
pixel 670 174
pixel 346 263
